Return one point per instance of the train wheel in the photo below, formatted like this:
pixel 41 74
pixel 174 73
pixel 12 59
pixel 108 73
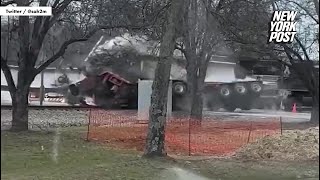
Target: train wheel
pixel 225 91
pixel 240 88
pixel 256 87
pixel 179 88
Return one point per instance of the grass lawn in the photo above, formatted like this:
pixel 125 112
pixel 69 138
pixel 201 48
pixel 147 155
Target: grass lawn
pixel 40 155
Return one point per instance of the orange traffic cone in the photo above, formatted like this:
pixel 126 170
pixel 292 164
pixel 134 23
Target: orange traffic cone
pixel 294 108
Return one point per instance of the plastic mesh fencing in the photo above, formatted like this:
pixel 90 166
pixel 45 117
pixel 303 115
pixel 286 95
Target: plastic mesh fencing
pixel 184 136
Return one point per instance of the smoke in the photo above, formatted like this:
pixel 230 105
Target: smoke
pixel 176 173
pixel 138 44
pixel 55 146
pixel 130 56
pixel 123 55
pixel 135 57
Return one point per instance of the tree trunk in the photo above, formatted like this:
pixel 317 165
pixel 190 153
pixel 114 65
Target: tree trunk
pixel 158 110
pixel 315 111
pixel 20 110
pixel 193 84
pixel 197 96
pixel 315 115
pixel 316 5
pixel 308 75
pixel 197 46
pixel 197 106
pixel 20 96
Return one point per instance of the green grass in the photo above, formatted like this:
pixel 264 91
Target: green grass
pixel 22 157
pixel 231 170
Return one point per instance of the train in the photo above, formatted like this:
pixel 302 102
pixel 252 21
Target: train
pixel 294 91
pixel 114 67
pixel 285 88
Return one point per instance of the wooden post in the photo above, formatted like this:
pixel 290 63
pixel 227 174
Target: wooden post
pixel 42 89
pixel 89 123
pixel 280 125
pixel 249 133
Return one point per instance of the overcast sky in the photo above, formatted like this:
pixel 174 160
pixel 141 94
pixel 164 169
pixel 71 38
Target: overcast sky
pixel 306 28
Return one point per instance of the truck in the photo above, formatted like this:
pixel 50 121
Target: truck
pixel 114 67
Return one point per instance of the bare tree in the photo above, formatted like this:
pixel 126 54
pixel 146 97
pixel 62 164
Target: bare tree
pixel 155 142
pixel 248 35
pixel 199 41
pixel 301 52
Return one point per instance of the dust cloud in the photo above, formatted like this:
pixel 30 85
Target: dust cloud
pixel 136 54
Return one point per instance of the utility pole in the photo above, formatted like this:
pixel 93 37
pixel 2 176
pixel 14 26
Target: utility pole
pixel 42 88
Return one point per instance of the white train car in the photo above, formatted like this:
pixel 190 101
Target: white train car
pixel 51 78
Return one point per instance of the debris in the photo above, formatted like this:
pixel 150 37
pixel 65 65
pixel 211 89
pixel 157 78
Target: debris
pixel 292 145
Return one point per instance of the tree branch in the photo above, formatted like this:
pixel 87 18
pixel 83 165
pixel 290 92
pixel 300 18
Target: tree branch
pixel 8 75
pixel 41 27
pixel 58 9
pixel 288 49
pixel 180 48
pixel 297 68
pixel 54 5
pixel 7 3
pixel 303 48
pixel 65 45
pixel 306 10
pixel 220 5
pixel 58 54
pixel 316 4
pixel 274 57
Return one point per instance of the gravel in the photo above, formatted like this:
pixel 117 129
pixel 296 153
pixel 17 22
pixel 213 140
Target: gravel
pixel 45 119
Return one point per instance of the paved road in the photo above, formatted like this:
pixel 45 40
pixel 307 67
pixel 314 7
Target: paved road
pixel 37 103
pixel 261 114
pixel 257 114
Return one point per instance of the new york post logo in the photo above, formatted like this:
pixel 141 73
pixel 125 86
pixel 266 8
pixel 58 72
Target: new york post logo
pixel 283 27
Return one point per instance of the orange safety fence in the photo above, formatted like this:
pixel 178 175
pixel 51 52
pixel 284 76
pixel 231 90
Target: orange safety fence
pixel 184 136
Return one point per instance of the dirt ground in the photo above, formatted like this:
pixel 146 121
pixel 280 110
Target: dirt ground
pixel 292 145
pixel 244 139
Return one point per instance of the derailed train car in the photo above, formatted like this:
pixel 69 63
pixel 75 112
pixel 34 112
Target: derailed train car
pixel 115 66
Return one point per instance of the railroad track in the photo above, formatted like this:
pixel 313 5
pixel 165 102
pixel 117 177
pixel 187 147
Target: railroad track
pixel 56 107
pixel 8 107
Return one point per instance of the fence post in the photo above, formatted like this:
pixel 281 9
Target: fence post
pixel 281 125
pixel 189 136
pixel 88 130
pixel 249 135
